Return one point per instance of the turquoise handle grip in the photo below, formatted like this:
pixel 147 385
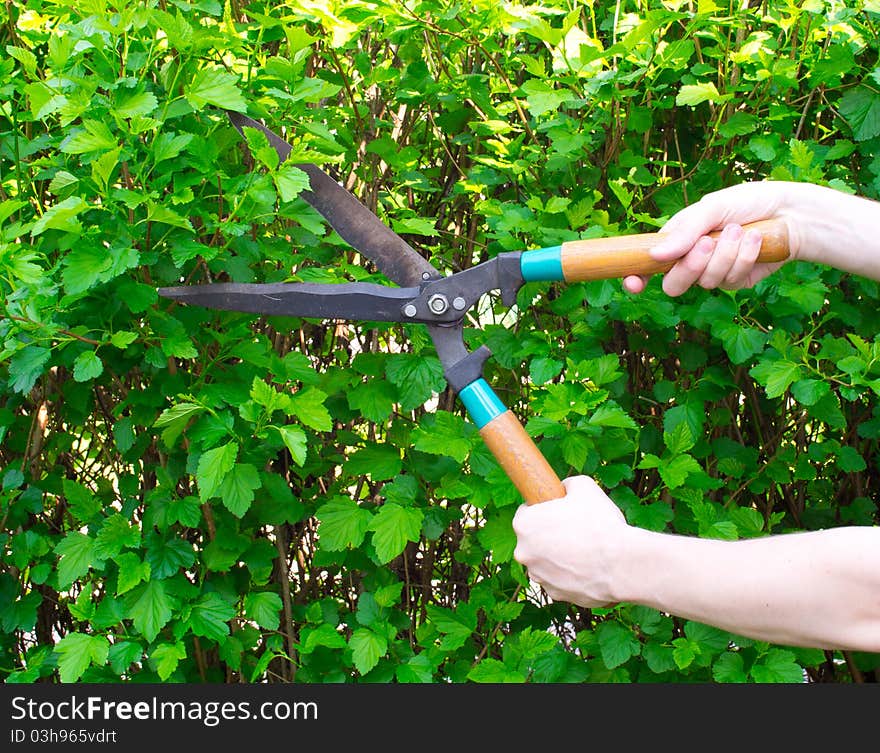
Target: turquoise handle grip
pixel 542 264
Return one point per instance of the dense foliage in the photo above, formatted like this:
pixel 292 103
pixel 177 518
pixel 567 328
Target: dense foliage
pixel 190 495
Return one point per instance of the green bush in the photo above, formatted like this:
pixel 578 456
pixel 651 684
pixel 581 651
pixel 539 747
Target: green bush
pixel 201 496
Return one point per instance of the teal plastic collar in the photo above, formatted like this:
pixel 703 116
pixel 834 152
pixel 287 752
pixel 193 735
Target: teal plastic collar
pixel 481 402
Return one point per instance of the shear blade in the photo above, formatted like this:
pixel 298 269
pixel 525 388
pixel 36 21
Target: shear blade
pixel 354 223
pixel 356 300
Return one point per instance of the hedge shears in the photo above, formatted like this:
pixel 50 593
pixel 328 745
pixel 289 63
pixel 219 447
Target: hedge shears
pixel 440 302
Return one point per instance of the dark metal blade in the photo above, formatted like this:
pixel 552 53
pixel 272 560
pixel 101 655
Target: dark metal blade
pixel 356 224
pixel 354 300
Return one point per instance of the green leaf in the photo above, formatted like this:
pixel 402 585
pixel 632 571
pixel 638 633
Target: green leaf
pixel 290 182
pixel 210 615
pixel 617 644
pixel 711 639
pixel 137 296
pixel 135 103
pixel 94 136
pixel 446 434
pixel 367 648
pixel 497 535
pixel 695 94
pixel 684 652
pixel 213 467
pixel 416 669
pixel 296 442
pixel 167 553
pixel 267 396
pixel 61 216
pixel 415 226
pixel 149 606
pixel 860 107
pixel 542 369
pixel 675 472
pixel 308 407
pixel 393 526
pixel 343 524
pixel 87 366
pixel 213 86
pixel 389 595
pixel 532 643
pixel 174 420
pixel 82 501
pixel 132 571
pixel 166 657
pixel 264 608
pixel 810 391
pixel 658 657
pixel 680 439
pixel 77 553
pixel 729 668
pixel 380 461
pixel 237 489
pixel 417 378
pixel 778 665
pixel 26 366
pixel 77 651
pixel 776 375
pixel 542 98
pixel 851 460
pixel 167 216
pixel 123 339
pixel 368 610
pixel 85 267
pixel 24 56
pixel 611 414
pixel 741 343
pixel 115 535
pixel 168 145
pixel 324 635
pixel 103 166
pixel 493 671
pixel 653 516
pixel 374 400
pixel 739 124
pixel 457 625
pixel 123 654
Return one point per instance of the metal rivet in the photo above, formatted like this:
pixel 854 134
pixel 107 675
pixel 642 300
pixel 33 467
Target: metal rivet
pixel 438 303
pixel 459 303
pixel 410 310
pixel 426 275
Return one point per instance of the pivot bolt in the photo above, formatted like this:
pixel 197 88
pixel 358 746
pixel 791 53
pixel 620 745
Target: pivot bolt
pixel 459 303
pixel 410 311
pixel 438 303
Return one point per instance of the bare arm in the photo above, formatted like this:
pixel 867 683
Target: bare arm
pixel 819 589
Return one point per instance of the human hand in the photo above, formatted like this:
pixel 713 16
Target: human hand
pixel 730 260
pixel 570 544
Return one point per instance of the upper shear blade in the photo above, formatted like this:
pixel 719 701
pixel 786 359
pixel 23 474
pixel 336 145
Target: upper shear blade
pixel 356 224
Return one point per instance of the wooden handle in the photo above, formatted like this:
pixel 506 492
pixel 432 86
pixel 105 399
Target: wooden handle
pixel 514 449
pixel 606 258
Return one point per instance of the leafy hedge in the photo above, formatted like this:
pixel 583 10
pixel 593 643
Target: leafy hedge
pixel 200 496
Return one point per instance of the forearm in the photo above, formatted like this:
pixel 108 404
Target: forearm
pixel 819 589
pixel 830 227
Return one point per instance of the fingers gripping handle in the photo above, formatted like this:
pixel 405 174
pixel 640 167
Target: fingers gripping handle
pixel 607 258
pixel 512 447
